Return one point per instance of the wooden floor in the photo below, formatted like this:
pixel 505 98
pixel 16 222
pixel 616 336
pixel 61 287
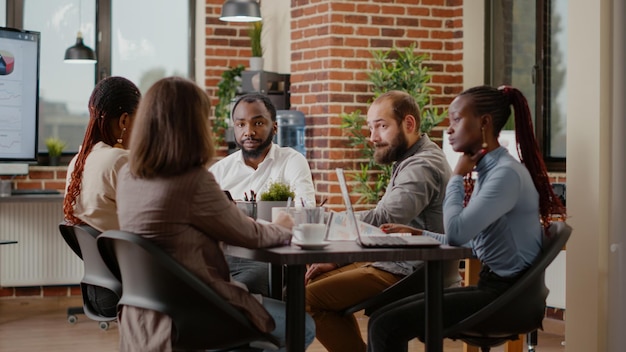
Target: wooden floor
pixel 41 324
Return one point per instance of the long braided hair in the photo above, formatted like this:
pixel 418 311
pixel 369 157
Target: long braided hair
pixel 110 99
pixel 497 102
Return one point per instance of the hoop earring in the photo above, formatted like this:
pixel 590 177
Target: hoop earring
pixel 120 140
pixel 484 145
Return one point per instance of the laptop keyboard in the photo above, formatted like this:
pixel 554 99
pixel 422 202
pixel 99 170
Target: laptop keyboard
pixel 375 241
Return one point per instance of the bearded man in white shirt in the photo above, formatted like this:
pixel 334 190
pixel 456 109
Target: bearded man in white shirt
pixel 256 164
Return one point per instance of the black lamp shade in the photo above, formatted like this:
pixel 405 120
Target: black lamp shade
pixel 241 11
pixel 79 53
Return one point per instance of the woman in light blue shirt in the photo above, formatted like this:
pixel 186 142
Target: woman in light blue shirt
pixel 501 214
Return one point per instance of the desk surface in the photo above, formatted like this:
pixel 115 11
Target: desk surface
pixel 31 198
pixel 346 251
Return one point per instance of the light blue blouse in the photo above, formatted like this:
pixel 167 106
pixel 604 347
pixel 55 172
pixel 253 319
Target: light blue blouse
pixel 501 221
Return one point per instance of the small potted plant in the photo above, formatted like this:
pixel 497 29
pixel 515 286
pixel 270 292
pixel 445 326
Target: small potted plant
pixel 55 149
pixel 256 61
pixel 276 195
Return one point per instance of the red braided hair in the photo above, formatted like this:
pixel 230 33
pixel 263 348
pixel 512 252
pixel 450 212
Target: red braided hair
pixel 497 103
pixel 110 99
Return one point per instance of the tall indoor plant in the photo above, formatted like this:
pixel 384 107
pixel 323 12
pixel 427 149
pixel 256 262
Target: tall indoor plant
pixel 395 69
pixel 256 61
pixel 226 91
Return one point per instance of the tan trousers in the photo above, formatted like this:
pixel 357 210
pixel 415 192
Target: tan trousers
pixel 331 293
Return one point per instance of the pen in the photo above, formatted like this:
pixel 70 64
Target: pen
pixel 252 196
pixel 245 196
pixel 323 202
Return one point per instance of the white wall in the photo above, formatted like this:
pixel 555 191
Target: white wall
pixel 200 43
pixel 276 29
pixel 596 144
pixel 473 44
pixel 617 235
pixel 590 166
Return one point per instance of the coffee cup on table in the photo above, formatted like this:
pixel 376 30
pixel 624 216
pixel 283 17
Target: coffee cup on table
pixel 307 215
pixel 309 233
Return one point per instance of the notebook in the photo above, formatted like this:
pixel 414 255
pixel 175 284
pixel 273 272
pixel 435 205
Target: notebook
pixel 379 241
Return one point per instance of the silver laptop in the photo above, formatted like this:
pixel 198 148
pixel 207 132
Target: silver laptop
pixel 384 241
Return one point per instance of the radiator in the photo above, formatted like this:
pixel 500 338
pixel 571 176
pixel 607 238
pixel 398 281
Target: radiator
pixel 41 256
pixel 555 281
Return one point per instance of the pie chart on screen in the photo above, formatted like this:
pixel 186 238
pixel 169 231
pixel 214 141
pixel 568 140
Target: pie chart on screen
pixel 7 62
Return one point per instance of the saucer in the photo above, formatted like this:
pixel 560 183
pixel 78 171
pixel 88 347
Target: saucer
pixel 310 245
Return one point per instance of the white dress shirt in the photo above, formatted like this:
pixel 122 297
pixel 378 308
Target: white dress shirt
pixel 280 164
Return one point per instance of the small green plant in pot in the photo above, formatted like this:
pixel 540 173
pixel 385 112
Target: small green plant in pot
pixel 278 191
pixel 55 149
pixel 276 195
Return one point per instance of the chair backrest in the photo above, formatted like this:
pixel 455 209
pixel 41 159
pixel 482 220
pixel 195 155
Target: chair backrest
pixel 154 280
pixel 101 290
pixel 498 317
pixel 67 232
pixel 96 273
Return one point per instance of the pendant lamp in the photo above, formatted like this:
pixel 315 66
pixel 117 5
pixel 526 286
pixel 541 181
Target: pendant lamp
pixel 241 11
pixel 79 53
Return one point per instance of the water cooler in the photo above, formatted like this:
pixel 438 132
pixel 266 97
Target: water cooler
pixel 291 126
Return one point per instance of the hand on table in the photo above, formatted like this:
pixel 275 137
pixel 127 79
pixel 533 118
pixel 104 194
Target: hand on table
pixel 396 228
pixel 283 219
pixel 317 269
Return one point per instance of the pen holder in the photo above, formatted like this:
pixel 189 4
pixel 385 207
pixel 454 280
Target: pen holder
pixel 248 208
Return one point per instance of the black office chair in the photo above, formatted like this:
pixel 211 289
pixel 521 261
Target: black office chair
pixel 508 316
pixel 100 289
pixel 153 280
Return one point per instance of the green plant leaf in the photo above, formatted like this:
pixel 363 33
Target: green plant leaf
pixel 394 69
pixel 55 146
pixel 277 191
pixel 226 91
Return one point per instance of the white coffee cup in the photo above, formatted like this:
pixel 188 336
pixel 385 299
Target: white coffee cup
pixel 309 233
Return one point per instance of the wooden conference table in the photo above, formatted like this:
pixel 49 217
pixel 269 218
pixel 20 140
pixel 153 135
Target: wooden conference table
pixel 295 260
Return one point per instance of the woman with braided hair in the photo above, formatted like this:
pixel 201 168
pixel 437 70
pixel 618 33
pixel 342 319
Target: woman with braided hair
pixel 502 217
pixel 92 174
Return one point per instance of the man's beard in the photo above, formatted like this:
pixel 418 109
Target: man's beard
pixel 387 153
pixel 258 151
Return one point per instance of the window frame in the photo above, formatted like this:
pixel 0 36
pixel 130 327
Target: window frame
pixel 15 19
pixel 541 76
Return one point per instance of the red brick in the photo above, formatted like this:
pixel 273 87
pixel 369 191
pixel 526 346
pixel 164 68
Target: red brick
pixel 55 291
pixel 38 175
pixel 27 291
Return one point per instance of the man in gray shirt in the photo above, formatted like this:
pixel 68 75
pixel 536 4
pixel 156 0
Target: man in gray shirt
pixel 413 197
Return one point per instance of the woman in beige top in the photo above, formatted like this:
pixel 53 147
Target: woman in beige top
pixel 166 194
pixel 92 173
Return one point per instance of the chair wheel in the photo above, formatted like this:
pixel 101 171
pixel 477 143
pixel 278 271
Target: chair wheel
pixel 104 325
pixel 72 319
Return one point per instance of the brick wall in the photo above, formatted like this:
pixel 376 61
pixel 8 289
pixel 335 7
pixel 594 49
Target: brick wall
pixel 41 177
pixel 331 49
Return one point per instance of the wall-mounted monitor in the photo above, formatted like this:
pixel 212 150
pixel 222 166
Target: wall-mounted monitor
pixel 19 94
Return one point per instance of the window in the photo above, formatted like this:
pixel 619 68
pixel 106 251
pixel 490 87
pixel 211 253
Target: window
pixel 133 42
pixel 3 13
pixel 530 55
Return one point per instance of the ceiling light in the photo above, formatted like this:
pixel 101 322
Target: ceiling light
pixel 241 11
pixel 79 53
